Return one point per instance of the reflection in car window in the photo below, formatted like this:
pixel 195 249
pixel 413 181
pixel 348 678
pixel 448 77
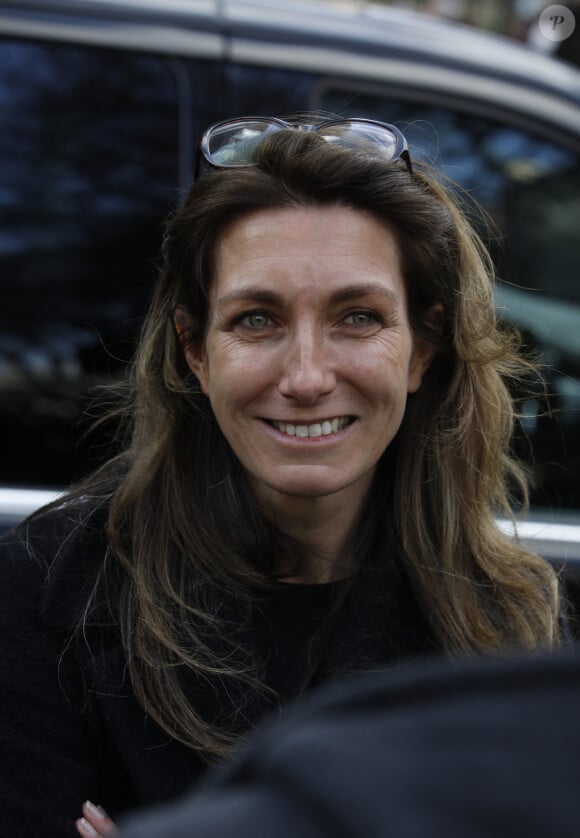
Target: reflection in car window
pixel 530 186
pixel 88 160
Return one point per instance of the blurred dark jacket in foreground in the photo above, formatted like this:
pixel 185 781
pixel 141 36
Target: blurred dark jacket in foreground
pixel 487 748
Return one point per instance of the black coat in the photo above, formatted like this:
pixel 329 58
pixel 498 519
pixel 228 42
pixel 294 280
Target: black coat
pixel 484 749
pixel 71 728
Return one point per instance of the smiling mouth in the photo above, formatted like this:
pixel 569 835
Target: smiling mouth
pixel 317 429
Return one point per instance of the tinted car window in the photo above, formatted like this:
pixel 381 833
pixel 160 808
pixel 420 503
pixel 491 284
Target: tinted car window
pixel 88 169
pixel 265 90
pixel 530 185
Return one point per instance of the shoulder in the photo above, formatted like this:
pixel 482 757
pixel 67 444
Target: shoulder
pixel 50 562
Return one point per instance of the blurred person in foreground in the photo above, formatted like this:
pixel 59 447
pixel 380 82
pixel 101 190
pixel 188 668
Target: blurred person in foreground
pixel 318 442
pixel 485 749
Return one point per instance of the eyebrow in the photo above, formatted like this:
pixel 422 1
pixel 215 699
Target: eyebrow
pixel 259 294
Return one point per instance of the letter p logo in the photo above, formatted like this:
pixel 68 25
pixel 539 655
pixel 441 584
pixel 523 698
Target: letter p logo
pixel 557 23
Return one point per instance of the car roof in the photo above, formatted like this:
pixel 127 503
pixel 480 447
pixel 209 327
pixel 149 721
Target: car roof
pixel 346 40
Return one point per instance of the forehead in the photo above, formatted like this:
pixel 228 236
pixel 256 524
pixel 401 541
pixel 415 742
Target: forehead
pixel 301 248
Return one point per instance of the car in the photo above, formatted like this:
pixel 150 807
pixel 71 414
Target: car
pixel 101 105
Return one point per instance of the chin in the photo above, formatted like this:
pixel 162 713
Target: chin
pixel 311 486
pixel 310 491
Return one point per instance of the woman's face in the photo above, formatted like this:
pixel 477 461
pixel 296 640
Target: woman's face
pixel 308 356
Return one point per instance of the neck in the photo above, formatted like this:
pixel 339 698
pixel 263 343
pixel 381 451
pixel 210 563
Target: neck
pixel 324 527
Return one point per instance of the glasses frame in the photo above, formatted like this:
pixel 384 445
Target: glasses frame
pixel 203 153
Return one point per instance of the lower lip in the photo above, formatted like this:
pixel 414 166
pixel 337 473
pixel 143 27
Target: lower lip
pixel 326 439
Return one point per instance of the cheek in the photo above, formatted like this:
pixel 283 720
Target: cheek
pixel 236 375
pixel 382 367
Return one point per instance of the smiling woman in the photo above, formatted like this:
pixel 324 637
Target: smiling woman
pixel 311 390
pixel 319 431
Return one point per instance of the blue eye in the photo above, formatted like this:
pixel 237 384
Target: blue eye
pixel 362 318
pixel 256 320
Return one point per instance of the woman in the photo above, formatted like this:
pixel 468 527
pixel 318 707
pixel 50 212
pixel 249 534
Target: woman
pixel 319 441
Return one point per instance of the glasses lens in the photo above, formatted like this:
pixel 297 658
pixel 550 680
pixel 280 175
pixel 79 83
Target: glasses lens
pixel 235 143
pixel 374 141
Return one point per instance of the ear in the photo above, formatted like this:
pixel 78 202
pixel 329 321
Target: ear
pixel 194 351
pixel 423 349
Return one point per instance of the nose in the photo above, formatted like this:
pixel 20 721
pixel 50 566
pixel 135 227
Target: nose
pixel 308 369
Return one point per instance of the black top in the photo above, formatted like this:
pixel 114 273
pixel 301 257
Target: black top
pixel 70 726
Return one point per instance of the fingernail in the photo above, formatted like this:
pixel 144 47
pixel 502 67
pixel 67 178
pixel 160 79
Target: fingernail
pixel 85 827
pixel 95 811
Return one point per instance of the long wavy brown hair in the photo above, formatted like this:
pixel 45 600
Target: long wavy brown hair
pixel 184 530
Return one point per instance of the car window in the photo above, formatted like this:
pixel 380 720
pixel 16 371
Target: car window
pixel 88 169
pixel 530 185
pixel 271 91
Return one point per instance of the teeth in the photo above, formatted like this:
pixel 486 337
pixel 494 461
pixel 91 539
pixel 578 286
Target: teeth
pixel 325 428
